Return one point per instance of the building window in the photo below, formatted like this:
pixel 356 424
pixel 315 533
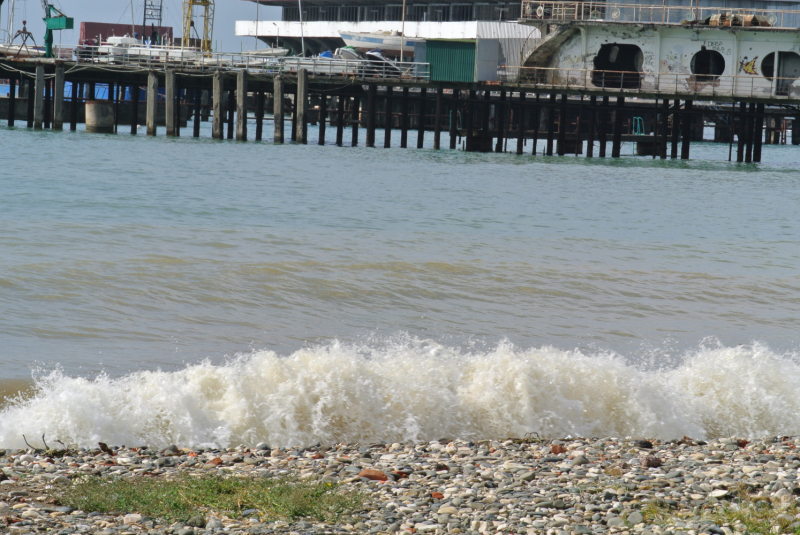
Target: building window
pixel 707 65
pixel 618 66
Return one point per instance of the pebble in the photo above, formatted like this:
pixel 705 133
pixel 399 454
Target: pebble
pixel 572 486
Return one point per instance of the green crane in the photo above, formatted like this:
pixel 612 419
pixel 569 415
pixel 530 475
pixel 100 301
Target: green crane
pixel 54 20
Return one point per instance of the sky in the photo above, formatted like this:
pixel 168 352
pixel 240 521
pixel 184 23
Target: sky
pixel 119 11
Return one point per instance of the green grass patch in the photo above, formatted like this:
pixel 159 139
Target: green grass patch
pixel 745 514
pixel 181 498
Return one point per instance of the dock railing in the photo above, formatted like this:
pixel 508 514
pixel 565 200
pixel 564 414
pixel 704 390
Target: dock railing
pixel 554 11
pixel 665 83
pixel 163 58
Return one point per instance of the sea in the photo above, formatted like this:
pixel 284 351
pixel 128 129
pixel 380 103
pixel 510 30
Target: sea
pixel 198 292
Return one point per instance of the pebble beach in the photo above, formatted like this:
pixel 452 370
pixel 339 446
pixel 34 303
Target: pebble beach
pixel 522 486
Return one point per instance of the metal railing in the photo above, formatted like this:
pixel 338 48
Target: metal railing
pixel 667 83
pixel 162 58
pixel 620 12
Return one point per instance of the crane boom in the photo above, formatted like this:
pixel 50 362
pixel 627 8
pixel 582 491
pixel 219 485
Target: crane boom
pixel 208 22
pixel 54 20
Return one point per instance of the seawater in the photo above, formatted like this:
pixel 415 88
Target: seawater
pixel 194 291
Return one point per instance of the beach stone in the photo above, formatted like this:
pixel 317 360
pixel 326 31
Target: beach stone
pixel 184 531
pixel 132 518
pixel 374 475
pixel 196 521
pixel 719 493
pixel 634 518
pixel 214 523
pixel 579 460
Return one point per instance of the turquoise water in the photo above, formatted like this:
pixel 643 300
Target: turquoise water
pixel 126 255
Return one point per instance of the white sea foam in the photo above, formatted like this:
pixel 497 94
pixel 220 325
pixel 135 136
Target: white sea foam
pixel 416 390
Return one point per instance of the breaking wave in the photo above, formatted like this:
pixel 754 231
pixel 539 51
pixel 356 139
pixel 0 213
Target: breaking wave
pixel 416 390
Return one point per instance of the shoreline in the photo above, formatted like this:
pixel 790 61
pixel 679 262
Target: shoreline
pixel 531 486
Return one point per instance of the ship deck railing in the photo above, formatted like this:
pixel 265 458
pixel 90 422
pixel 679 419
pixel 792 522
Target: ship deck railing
pixel 703 86
pixel 555 12
pixel 163 58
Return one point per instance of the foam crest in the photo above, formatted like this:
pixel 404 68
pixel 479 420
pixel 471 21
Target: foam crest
pixel 415 390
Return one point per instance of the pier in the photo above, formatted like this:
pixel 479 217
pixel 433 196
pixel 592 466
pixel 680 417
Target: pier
pixel 572 108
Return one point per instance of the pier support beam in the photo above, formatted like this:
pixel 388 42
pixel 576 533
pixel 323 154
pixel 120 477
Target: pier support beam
pixel 339 120
pixel 134 109
pixel 387 116
pixel 219 112
pixel 73 108
pixel 323 117
pixel 196 114
pixel 301 107
pixel 562 127
pixel 454 120
pixel 152 102
pixel 38 106
pixel 537 119
pixel 520 119
pixel 169 101
pixel 241 105
pixel 404 120
pixel 591 126
pixel 662 148
pixel 551 124
pixel 30 102
pixel 437 126
pixel 277 109
pixel 58 98
pixel 676 128
pixel 687 130
pixel 372 96
pixel 500 116
pixel 231 102
pixel 758 133
pixel 421 120
pixel 12 99
pixel 796 130
pixel 259 115
pixel 355 121
pixel 616 144
pixel 740 132
pixel 750 126
pixel 602 131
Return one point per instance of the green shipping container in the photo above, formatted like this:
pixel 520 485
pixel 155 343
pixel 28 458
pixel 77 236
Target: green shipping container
pixel 451 60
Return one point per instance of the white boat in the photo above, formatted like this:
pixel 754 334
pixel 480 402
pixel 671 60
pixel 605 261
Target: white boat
pixel 128 49
pixel 17 50
pixel 389 42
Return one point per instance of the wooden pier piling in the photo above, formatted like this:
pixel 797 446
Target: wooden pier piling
pixel 562 127
pixel 169 101
pixel 196 113
pixel 421 118
pixel 758 133
pixel 387 119
pixel 355 121
pixel 231 102
pixel 676 128
pixel 520 118
pixel 218 96
pixel 616 142
pixel 12 100
pixel 38 106
pixel 277 109
pixel 372 97
pixel 301 107
pixel 241 105
pixel 437 125
pixel 339 120
pixel 152 102
pixel 404 119
pixel 687 130
pixel 323 117
pixel 500 115
pixel 551 124
pixel 134 108
pixel 58 98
